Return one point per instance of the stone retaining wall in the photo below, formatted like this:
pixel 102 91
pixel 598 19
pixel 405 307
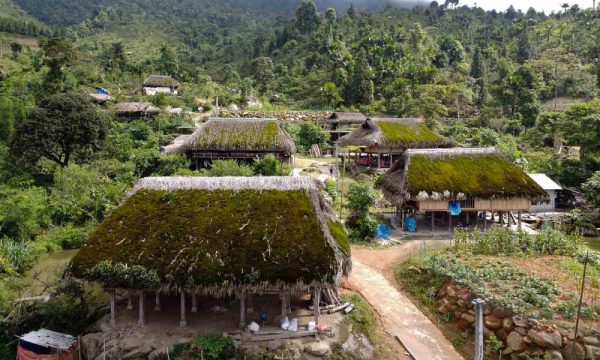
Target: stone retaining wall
pixel 521 337
pixel 283 116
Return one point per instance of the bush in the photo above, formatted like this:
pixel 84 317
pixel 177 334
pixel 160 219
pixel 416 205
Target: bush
pixel 167 165
pixel 309 134
pixel 120 275
pixel 214 346
pixel 331 188
pixel 591 189
pixel 15 257
pixel 64 237
pixel 227 168
pixel 270 166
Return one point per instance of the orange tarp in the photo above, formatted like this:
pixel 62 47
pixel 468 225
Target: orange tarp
pixel 23 354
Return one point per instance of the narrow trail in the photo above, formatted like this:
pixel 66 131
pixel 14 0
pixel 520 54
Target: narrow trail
pixel 371 276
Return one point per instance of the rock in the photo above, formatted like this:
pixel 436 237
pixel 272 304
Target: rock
pixel 185 340
pixel 553 355
pixel 507 324
pixel 590 340
pixel 130 343
pixel 359 345
pixel 91 345
pixel 157 355
pixel 451 291
pixel 502 334
pixel 514 340
pixel 442 292
pixel 567 352
pixel 140 352
pixel 521 330
pixel 463 324
pixel 470 318
pixel 112 354
pixel 501 312
pixel 492 322
pixel 592 352
pixel 534 323
pixel 105 327
pixel 319 349
pixel 519 321
pixel 546 339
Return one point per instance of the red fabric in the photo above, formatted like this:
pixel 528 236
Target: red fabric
pixel 23 354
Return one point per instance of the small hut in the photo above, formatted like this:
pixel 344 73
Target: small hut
pixel 219 237
pixel 461 182
pixel 550 187
pixel 160 84
pixel 242 139
pixel 128 111
pixel 46 345
pixel 339 124
pixel 390 137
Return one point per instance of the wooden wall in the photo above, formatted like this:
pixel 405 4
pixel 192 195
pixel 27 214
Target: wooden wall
pixel 519 204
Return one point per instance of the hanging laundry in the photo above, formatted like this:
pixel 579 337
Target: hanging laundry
pixel 454 207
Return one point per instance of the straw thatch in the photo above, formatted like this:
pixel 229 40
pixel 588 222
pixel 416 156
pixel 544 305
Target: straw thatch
pixel 394 133
pixel 136 107
pixel 222 235
pixel 100 98
pixel 238 134
pixel 345 118
pixel 161 81
pixel 445 174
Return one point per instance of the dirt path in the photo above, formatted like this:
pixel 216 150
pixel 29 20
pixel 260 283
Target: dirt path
pixel 371 276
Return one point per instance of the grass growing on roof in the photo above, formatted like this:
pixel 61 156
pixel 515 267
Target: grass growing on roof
pixel 216 237
pixel 240 135
pixel 398 132
pixel 486 175
pixel 336 229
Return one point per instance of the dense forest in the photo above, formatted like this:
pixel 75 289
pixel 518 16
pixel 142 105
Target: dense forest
pixel 520 81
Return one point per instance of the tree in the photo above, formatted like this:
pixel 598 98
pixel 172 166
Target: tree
pixel 361 197
pixel 309 134
pixel 351 12
pixel 523 47
pixel 478 74
pixel 361 88
pixel 58 53
pixel 262 68
pixel 270 166
pixel 307 18
pixel 62 126
pixel 331 16
pixel 331 94
pixel 591 189
pixel 168 62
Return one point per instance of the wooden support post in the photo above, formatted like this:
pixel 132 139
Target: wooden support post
pixel 157 302
pixel 485 220
pixel 283 305
pixel 113 309
pixel 129 301
pixel 182 322
pixel 519 226
pixel 433 221
pixel 194 303
pixel 289 302
pixel 402 217
pixel 450 223
pixel 316 303
pixel 142 315
pixel 250 307
pixel 467 215
pixel 242 310
pixel 379 158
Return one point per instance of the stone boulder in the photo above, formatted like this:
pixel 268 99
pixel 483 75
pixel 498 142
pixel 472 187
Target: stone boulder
pixel 492 322
pixel 360 346
pixel 515 342
pixel 567 352
pixel 553 355
pixel 546 339
pixel 319 349
pixel 91 345
pixel 592 351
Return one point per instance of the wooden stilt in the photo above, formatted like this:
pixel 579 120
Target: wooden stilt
pixel 129 300
pixel 157 302
pixel 519 225
pixel 433 221
pixel 142 315
pixel 194 303
pixel 450 223
pixel 250 301
pixel 289 303
pixel 242 310
pixel 316 303
pixel 467 215
pixel 379 159
pixel 485 220
pixel 113 310
pixel 283 305
pixel 182 322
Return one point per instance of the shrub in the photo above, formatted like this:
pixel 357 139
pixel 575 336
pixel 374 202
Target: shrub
pixel 167 165
pixel 121 275
pixel 270 166
pixel 331 188
pixel 227 168
pixel 591 189
pixel 309 134
pixel 214 346
pixel 15 257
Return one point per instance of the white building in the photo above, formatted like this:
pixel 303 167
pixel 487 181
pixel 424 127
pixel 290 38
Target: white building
pixel 550 187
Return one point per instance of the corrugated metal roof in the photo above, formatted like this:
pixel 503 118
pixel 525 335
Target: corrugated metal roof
pixel 50 339
pixel 545 182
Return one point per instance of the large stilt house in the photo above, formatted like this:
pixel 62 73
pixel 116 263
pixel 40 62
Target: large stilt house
pixel 218 237
pixel 240 139
pixel 339 124
pixel 458 182
pixel 383 140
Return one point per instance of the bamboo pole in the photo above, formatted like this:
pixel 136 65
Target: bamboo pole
pixel 242 310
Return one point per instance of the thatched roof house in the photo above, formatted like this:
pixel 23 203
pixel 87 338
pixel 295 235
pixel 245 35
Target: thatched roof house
pixel 160 84
pixel 222 235
pixel 237 138
pixel 480 177
pixel 135 110
pixel 339 124
pixel 394 135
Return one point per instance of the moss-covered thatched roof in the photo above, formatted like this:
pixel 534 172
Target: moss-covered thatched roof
pixel 394 133
pixel 345 118
pixel 136 107
pixel 440 174
pixel 242 134
pixel 161 81
pixel 219 235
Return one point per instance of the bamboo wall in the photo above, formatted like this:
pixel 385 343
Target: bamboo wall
pixel 519 204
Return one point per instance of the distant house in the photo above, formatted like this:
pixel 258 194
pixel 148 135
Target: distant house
pixel 388 138
pixel 236 138
pixel 339 124
pixel 472 179
pixel 218 237
pixel 550 187
pixel 160 84
pixel 101 96
pixel 128 111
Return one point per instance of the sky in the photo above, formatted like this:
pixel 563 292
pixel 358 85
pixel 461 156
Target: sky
pixel 539 5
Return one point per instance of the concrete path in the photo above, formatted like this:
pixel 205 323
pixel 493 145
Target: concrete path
pixel 401 318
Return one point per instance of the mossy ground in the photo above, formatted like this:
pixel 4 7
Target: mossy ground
pixel 476 176
pixel 218 237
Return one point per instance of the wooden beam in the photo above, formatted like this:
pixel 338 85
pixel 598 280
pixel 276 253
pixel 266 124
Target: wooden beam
pixel 316 303
pixel 113 310
pixel 242 310
pixel 519 226
pixel 129 301
pixel 142 316
pixel 182 321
